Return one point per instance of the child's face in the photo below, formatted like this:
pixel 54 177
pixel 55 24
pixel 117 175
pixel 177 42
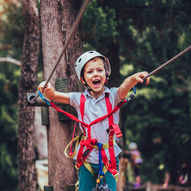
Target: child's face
pixel 94 75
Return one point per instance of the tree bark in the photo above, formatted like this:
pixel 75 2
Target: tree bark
pixel 28 83
pixel 56 20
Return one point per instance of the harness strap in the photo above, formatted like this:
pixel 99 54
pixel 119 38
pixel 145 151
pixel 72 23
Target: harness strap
pixel 82 107
pixel 82 155
pixel 110 113
pixel 68 114
pixel 90 168
pixel 71 153
pixel 76 119
pixel 111 133
pixel 107 164
pixel 89 147
pixel 117 130
pixel 112 128
pixel 62 111
pixel 95 121
pixel 101 173
pixel 76 139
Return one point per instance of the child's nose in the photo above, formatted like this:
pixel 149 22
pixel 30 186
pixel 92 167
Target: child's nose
pixel 95 73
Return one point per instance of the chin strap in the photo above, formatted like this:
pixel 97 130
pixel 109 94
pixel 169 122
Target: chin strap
pixel 90 90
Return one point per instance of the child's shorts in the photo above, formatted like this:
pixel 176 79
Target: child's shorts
pixel 87 181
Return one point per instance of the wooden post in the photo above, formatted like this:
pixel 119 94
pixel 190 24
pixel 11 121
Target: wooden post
pixel 56 20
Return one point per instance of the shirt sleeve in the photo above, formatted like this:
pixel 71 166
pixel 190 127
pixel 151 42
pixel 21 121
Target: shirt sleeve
pixel 75 99
pixel 114 96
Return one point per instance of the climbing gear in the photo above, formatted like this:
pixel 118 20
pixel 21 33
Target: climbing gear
pixel 33 98
pixel 87 144
pixel 87 56
pixel 103 186
pixel 168 62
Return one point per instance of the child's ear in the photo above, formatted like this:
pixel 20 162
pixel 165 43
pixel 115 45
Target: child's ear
pixel 82 80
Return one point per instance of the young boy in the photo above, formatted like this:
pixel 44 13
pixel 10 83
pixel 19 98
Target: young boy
pixel 98 144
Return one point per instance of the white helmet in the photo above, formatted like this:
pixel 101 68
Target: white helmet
pixel 132 146
pixel 87 56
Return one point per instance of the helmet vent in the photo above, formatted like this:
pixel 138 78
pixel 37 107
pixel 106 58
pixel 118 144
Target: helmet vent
pixel 79 60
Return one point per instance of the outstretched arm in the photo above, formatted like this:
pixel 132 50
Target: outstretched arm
pixel 130 82
pixel 53 95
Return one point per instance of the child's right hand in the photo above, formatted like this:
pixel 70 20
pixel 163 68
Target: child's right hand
pixel 48 91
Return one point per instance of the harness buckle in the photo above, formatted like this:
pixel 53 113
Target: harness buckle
pixel 131 97
pixel 77 166
pixel 115 128
pixel 86 152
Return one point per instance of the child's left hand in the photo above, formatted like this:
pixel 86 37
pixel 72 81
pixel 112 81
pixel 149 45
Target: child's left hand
pixel 139 77
pixel 132 81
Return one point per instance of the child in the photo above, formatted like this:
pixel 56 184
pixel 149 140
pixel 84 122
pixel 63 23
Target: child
pixel 98 141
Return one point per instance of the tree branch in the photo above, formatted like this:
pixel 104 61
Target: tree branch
pixel 5 47
pixel 10 60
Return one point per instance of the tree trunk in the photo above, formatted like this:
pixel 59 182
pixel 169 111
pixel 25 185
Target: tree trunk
pixel 28 82
pixel 40 133
pixel 56 20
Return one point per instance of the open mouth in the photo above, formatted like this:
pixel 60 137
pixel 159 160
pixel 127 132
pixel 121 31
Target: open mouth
pixel 97 82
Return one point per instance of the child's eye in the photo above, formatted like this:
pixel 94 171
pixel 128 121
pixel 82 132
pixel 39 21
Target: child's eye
pixel 89 72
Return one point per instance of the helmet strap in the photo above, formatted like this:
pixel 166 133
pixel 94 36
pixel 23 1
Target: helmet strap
pixel 87 86
pixel 107 77
pixel 89 89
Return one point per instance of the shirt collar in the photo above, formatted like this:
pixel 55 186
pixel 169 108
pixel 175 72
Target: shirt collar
pixel 87 93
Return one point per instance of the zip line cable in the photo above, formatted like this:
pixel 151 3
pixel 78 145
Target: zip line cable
pixel 32 98
pixel 151 73
pixel 168 62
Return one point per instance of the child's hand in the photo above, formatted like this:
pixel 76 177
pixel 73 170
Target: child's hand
pixel 130 82
pixel 48 90
pixel 139 77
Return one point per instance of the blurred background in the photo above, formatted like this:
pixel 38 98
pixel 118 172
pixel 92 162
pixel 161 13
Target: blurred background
pixel 136 35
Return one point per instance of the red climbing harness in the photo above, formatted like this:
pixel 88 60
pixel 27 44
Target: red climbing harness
pixel 90 143
pixel 87 142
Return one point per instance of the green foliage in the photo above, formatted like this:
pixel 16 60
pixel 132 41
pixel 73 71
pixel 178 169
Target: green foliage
pixel 8 127
pixel 149 33
pixel 99 24
pixel 11 39
pixel 12 31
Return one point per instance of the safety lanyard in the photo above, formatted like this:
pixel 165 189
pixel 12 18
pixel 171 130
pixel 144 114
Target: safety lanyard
pixel 101 173
pixel 95 121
